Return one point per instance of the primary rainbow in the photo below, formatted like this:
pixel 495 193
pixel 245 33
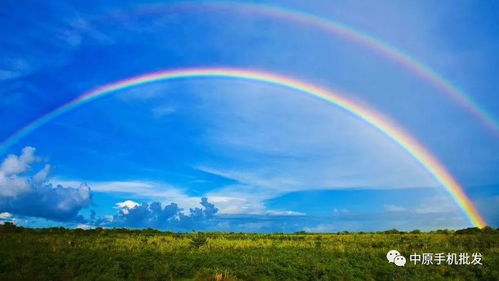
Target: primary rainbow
pixel 407 142
pixel 354 35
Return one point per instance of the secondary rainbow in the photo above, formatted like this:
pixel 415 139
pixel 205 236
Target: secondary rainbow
pixel 387 127
pixel 349 33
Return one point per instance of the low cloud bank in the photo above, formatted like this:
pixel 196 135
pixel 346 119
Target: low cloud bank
pixel 154 215
pixel 25 192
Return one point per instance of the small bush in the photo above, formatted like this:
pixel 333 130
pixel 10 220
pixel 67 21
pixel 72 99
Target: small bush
pixel 198 241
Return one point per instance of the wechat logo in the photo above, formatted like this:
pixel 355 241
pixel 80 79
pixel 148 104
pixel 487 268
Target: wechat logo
pixel 395 257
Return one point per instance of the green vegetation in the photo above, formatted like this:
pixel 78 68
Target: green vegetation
pixel 122 254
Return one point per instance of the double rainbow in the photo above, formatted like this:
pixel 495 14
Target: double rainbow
pixel 342 30
pixel 388 128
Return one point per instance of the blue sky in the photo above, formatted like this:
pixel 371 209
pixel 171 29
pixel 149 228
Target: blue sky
pixel 268 159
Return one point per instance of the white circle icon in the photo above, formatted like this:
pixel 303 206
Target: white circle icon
pixel 391 255
pixel 399 260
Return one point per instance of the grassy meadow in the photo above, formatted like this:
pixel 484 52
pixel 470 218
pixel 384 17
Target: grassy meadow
pixel 120 254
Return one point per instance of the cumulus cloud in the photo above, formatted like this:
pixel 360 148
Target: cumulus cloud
pixel 29 193
pixel 154 215
pixel 135 190
pixel 5 216
pixel 126 205
pixel 11 184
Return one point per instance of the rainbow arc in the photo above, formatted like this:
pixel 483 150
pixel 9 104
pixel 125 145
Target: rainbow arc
pixel 347 32
pixel 376 120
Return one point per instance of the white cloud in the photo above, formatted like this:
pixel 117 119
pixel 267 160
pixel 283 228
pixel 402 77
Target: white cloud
pixel 11 183
pixel 340 211
pixel 143 190
pixel 113 186
pixel 108 218
pixel 14 164
pixel 42 175
pixel 436 204
pixel 322 228
pixel 84 226
pixel 230 204
pixel 236 199
pixel 254 178
pixel 284 213
pixel 5 216
pixel 32 194
pixel 394 208
pixel 126 205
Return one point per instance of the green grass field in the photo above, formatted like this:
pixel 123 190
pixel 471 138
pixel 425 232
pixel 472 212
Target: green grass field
pixel 59 254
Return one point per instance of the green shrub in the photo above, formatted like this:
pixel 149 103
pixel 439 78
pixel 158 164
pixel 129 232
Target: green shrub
pixel 198 241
